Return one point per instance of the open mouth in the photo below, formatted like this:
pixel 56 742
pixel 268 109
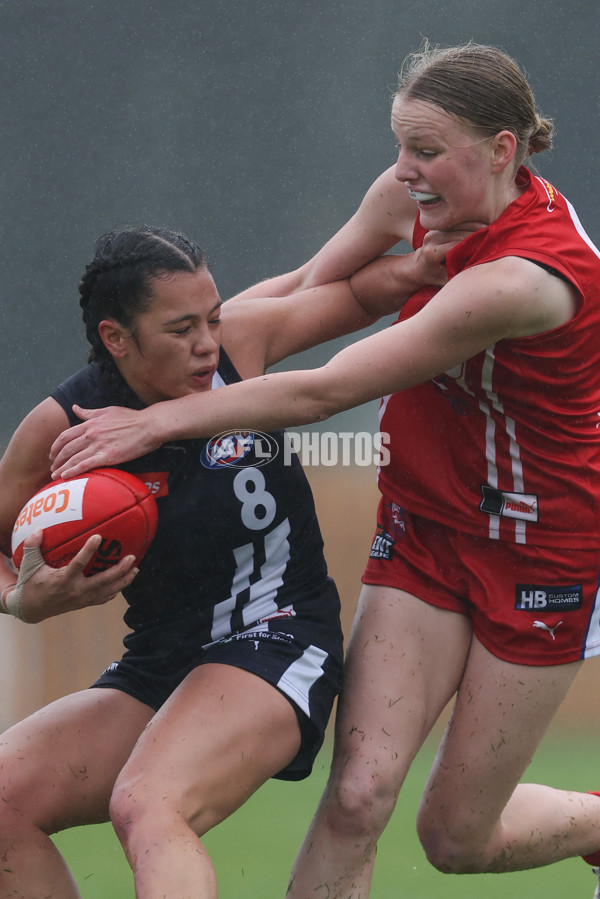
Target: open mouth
pixel 202 375
pixel 423 198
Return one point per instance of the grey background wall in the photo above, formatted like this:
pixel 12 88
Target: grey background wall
pixel 253 125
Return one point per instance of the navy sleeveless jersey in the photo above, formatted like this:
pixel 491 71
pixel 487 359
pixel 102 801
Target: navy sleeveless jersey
pixel 237 543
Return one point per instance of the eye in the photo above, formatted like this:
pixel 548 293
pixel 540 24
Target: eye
pixel 214 321
pixel 180 331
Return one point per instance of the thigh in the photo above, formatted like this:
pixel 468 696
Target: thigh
pixel 60 764
pixel 404 663
pixel 222 734
pixel 501 713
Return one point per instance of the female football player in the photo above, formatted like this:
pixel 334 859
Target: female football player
pixel 234 653
pixel 482 579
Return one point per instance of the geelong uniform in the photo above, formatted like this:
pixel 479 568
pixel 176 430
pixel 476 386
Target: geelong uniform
pixel 235 574
pixel 504 450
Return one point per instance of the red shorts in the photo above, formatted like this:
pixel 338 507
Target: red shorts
pixel 529 605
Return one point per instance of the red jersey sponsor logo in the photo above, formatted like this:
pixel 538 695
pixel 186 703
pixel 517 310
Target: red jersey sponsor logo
pixel 155 481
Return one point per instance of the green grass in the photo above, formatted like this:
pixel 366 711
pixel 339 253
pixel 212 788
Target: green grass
pixel 253 850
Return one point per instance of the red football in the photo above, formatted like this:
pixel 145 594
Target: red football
pixel 107 501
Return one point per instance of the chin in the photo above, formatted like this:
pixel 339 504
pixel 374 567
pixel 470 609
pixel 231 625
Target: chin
pixel 440 219
pixel 437 213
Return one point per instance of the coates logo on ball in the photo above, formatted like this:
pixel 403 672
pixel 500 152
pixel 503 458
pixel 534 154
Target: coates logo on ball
pixel 107 501
pixel 240 449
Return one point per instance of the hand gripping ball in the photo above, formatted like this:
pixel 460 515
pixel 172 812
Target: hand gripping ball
pixel 106 501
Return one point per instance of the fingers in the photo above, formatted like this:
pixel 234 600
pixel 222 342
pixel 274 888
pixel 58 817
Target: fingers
pixel 65 437
pixel 98 589
pixel 74 590
pixel 85 414
pixel 67 465
pixel 34 539
pixel 68 444
pixel 75 437
pixel 53 591
pixel 32 557
pixel 85 555
pixel 80 562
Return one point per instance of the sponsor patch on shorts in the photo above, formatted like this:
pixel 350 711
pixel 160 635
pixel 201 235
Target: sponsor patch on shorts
pixel 539 598
pixel 383 544
pixel 523 506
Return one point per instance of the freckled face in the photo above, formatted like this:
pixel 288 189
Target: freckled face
pixel 444 164
pixel 173 349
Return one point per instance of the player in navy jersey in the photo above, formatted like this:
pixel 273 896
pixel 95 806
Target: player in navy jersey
pixel 235 651
pixel 482 585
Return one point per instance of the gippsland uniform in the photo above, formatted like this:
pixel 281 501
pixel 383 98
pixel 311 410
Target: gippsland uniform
pixel 235 574
pixel 491 501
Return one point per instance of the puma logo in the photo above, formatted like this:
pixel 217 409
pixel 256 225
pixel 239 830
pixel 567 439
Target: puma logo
pixel 544 627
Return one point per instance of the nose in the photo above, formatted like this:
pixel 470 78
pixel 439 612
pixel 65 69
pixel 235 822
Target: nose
pixel 405 170
pixel 206 342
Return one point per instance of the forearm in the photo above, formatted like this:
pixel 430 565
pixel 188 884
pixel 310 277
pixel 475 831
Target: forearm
pixel 269 402
pixel 278 286
pixel 384 285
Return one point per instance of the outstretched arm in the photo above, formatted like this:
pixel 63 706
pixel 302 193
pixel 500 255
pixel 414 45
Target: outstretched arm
pixel 503 299
pixel 384 218
pixel 258 333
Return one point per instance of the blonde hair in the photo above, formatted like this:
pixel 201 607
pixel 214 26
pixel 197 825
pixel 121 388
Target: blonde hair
pixel 482 86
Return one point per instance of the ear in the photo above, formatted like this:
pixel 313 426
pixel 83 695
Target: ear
pixel 504 147
pixel 114 337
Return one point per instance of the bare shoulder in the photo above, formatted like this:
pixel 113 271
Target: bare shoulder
pixel 25 466
pixel 27 454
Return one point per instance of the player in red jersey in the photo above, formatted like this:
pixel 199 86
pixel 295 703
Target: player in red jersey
pixel 482 581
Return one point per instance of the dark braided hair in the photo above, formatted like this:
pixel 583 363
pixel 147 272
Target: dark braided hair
pixel 117 283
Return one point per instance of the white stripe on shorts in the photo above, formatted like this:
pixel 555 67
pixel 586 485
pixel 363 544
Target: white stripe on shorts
pixel 301 675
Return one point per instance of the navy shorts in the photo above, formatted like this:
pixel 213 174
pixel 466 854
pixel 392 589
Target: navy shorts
pixel 300 655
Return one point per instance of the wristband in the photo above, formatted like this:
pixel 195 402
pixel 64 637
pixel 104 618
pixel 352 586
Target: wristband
pixel 14 603
pixel 32 560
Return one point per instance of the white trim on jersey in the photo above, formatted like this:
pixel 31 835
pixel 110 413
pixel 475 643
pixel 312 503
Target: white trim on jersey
pixel 217 381
pixel 491 444
pixel 591 647
pixel 492 470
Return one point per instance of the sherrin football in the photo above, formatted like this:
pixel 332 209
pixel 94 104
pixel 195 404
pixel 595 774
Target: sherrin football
pixel 107 501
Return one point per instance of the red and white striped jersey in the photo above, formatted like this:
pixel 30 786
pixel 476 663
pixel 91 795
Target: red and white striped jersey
pixel 507 444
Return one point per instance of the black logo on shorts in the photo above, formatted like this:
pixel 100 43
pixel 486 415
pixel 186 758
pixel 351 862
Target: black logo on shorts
pixel 383 544
pixel 536 598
